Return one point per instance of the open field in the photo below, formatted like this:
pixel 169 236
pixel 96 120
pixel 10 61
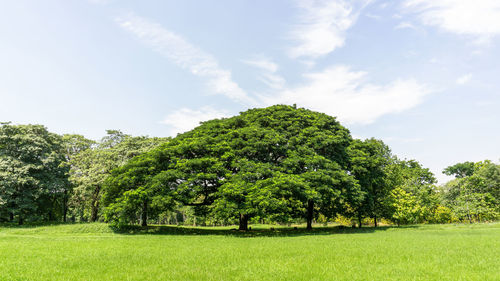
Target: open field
pixel 96 252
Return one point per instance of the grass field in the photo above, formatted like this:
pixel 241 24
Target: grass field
pixel 96 252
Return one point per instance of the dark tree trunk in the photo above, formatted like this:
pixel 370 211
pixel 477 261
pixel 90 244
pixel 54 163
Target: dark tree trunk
pixel 144 217
pixel 310 214
pixel 65 206
pixel 95 205
pixel 20 221
pixel 95 210
pixel 11 217
pixel 243 222
pixel 360 220
pixel 375 220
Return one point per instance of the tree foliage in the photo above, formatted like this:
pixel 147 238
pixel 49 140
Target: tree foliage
pixel 369 163
pixel 32 177
pixel 278 162
pixel 475 195
pixel 91 167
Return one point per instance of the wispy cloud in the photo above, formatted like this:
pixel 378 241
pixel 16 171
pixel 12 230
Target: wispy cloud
pixel 178 50
pixel 480 18
pixel 269 69
pixel 262 63
pixel 347 94
pixel 405 25
pixel 464 79
pixel 185 119
pixel 323 25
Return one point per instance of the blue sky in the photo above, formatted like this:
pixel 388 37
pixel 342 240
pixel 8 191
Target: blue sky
pixel 422 75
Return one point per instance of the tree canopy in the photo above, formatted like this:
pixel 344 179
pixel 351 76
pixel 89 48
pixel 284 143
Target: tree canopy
pixel 32 177
pixel 279 162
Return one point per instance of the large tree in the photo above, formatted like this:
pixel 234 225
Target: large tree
pixel 32 174
pixel 278 162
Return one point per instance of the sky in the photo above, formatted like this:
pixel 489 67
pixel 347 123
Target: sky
pixel 421 75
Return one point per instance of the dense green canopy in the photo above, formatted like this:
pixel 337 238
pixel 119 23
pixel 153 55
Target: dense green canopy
pixel 279 162
pixel 32 177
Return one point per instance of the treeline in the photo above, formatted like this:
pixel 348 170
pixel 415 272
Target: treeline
pixel 50 177
pixel 273 165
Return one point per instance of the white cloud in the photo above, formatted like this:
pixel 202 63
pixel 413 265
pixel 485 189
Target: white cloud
pixel 462 80
pixel 263 64
pixel 340 92
pixel 337 91
pixel 185 119
pixel 404 25
pixel 184 54
pixel 273 81
pixel 480 18
pixel 269 69
pixel 323 26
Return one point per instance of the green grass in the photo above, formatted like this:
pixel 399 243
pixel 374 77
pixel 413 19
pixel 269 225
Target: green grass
pixel 97 252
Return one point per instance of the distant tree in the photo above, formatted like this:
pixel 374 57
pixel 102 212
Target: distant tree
pixel 131 191
pixel 475 196
pixel 72 145
pixel 32 174
pixel 406 208
pixel 417 181
pixel 91 167
pixel 369 162
pixel 460 170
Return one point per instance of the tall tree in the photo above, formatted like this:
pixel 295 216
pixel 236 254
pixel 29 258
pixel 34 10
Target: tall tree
pixel 31 172
pixel 73 145
pixel 369 161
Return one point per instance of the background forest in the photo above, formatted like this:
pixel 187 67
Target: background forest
pixel 279 164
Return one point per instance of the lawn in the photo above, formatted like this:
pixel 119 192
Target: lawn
pixel 96 252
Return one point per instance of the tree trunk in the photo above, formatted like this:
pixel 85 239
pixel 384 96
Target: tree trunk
pixel 375 220
pixel 11 217
pixel 360 219
pixel 65 206
pixel 95 210
pixel 95 204
pixel 310 213
pixel 243 222
pixel 20 221
pixel 144 218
